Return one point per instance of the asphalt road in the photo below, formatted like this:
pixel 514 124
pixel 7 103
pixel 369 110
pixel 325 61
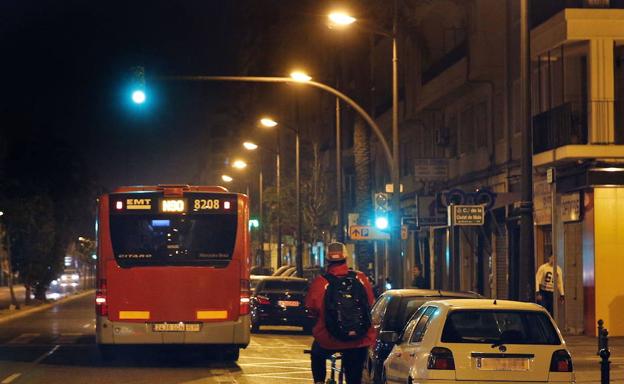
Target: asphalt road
pixel 58 346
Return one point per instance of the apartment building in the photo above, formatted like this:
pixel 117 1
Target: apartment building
pixel 461 133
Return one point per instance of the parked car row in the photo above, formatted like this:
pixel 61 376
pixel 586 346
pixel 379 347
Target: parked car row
pixel 433 336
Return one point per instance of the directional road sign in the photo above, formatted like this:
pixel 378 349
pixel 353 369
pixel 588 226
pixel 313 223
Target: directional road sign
pixel 365 232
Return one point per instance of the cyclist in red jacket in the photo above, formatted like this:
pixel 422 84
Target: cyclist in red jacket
pixel 324 345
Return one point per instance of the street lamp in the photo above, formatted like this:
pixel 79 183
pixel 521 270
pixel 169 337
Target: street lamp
pixel 395 262
pixel 250 146
pixel 226 178
pixel 239 164
pixel 267 122
pixel 300 76
pixel 340 19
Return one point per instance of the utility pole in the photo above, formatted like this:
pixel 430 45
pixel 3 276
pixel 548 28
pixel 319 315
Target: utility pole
pixel 526 262
pixel 340 232
pixel 395 255
pixel 279 207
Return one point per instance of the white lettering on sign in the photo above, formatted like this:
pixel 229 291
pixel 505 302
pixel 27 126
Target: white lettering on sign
pixel 173 205
pixel 467 214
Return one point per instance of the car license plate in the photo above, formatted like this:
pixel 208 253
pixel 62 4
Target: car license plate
pixel 502 364
pixel 175 327
pixel 288 303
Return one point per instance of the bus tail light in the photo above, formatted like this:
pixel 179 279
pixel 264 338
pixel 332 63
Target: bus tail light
pixel 244 297
pixel 101 306
pixel 561 361
pixel 441 359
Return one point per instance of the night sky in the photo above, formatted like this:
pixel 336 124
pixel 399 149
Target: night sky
pixel 66 68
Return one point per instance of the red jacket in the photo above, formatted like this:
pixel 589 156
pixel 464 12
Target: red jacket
pixel 315 301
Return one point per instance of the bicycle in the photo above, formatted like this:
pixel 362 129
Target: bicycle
pixel 334 369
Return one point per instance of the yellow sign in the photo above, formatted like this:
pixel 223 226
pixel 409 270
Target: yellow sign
pixel 173 205
pixel 138 203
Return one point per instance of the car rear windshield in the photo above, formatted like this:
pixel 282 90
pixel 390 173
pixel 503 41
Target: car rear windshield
pixel 283 285
pixel 398 316
pixel 499 326
pixel 148 240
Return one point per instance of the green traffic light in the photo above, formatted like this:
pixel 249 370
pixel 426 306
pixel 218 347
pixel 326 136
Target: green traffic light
pixel 138 96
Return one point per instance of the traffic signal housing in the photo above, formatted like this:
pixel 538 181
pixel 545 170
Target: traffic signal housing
pixel 382 206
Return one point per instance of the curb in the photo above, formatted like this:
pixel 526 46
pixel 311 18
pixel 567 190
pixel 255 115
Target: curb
pixel 43 307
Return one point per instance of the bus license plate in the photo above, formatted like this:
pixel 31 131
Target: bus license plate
pixel 288 303
pixel 175 327
pixel 506 364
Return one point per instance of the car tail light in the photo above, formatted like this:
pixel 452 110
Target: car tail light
pixel 244 297
pixel 101 305
pixel 561 361
pixel 441 358
pixel 263 300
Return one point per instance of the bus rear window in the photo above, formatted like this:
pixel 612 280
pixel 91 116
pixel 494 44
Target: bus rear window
pixel 150 240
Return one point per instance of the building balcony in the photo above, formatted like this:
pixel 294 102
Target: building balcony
pixel 564 132
pixel 543 10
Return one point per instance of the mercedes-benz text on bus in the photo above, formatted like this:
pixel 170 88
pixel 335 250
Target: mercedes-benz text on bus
pixel 173 268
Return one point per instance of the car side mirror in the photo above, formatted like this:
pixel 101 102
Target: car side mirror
pixel 388 337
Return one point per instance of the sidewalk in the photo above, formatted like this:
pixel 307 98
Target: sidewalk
pixel 587 363
pixel 7 314
pixel 5 295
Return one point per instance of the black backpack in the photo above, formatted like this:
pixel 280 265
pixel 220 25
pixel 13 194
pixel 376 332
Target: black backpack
pixel 347 312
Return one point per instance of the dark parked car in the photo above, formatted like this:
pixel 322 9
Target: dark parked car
pixel 391 312
pixel 280 301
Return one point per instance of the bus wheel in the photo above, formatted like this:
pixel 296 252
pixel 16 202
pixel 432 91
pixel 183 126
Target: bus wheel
pixel 231 354
pixel 107 352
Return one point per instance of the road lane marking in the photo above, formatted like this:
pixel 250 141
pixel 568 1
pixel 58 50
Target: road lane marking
pixel 276 359
pixel 11 378
pixel 68 338
pixel 46 355
pixel 24 338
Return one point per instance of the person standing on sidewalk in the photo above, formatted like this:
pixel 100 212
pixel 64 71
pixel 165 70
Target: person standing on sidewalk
pixel 341 300
pixel 544 287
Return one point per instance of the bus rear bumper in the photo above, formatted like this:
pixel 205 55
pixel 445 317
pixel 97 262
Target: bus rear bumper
pixel 221 333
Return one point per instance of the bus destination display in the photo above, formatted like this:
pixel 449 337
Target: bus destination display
pixel 189 203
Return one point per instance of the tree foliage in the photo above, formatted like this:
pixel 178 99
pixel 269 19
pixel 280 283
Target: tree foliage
pixel 47 198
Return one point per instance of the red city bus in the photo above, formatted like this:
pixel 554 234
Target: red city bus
pixel 173 268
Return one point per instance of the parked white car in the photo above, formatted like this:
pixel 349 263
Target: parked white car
pixel 478 341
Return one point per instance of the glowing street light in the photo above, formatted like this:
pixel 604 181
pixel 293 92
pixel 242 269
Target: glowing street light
pixel 300 76
pixel 340 19
pixel 138 96
pixel 250 146
pixel 226 178
pixel 239 164
pixel 268 122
